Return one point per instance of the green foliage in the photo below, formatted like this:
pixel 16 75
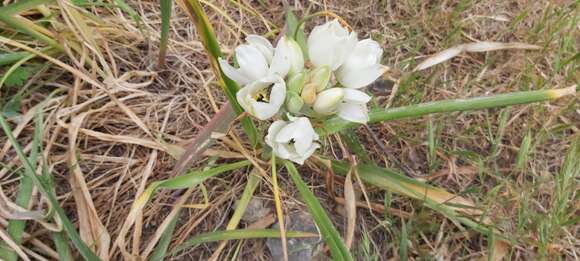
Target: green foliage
pixel 18 77
pixel 329 233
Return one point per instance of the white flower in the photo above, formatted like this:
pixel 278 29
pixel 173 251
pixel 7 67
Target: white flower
pixel 264 97
pixel 293 140
pixel 330 44
pixel 354 106
pixel 257 58
pixel 362 66
pixel 349 104
pixel 327 101
pixel 288 58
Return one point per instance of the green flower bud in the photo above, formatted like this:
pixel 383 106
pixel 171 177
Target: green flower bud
pixel 293 102
pixel 320 77
pixel 296 82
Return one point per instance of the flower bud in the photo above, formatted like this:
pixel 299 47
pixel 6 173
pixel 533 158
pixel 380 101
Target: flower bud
pixel 296 82
pixel 327 101
pixel 320 77
pixel 296 57
pixel 293 102
pixel 309 93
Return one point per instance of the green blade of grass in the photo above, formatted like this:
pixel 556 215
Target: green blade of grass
pixel 16 227
pixel 129 10
pixel 238 234
pixel 21 6
pixel 165 23
pixel 8 58
pixel 452 206
pixel 242 204
pixel 336 124
pixel 161 249
pixel 210 43
pixel 45 189
pixel 61 243
pixel 338 249
pixel 18 25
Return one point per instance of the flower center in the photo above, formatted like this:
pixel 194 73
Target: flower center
pixel 262 96
pixel 291 142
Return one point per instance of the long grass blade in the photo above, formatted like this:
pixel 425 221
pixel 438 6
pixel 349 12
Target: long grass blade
pixel 16 227
pixel 45 189
pixel 251 185
pixel 210 43
pixel 336 124
pixel 238 234
pixel 61 243
pixel 161 248
pixel 454 207
pixel 21 6
pixel 338 249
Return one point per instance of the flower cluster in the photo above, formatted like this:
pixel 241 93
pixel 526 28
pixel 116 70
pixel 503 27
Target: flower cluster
pixel 281 79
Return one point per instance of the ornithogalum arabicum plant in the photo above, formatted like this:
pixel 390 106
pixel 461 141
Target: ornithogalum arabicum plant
pixel 280 83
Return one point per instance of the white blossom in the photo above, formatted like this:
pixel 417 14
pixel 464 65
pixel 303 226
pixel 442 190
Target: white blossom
pixel 292 140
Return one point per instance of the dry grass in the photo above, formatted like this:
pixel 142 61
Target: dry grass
pixel 123 128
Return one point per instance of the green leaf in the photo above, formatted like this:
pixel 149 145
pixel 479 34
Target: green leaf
pixel 295 30
pixel 336 124
pixel 237 234
pixel 161 249
pixel 12 108
pixel 18 77
pixel 452 206
pixel 329 233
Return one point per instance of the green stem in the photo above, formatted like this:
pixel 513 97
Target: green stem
pixel 337 124
pixel 165 23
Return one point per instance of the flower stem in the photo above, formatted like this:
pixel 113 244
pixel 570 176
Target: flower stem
pixel 336 124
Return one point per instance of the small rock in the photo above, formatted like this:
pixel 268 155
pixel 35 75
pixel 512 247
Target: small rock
pixel 299 249
pixel 255 210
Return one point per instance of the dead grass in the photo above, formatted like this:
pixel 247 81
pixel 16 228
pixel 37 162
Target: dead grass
pixel 474 155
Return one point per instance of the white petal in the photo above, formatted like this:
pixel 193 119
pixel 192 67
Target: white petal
pixel 343 50
pixel 252 63
pixel 355 96
pixel 354 112
pixel 233 73
pixel 273 131
pixel 296 57
pixel 281 61
pixel 262 44
pixel 244 97
pixel 284 151
pixel 301 158
pixel 327 101
pixel 264 111
pixel 366 52
pixel 287 133
pixel 329 44
pixel 360 77
pixel 362 66
pixel 278 92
